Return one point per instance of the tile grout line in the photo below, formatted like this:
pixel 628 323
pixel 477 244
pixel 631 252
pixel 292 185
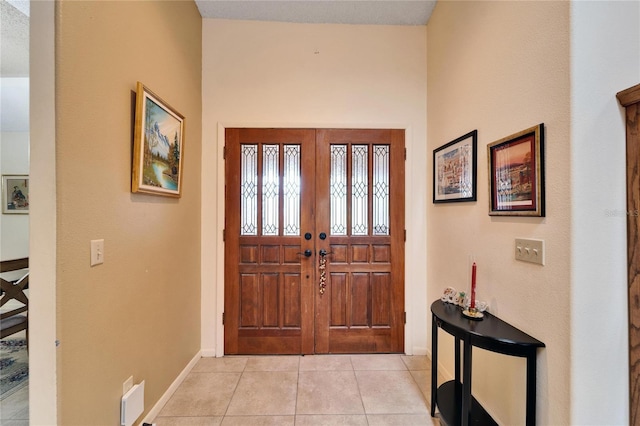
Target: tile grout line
pixel 355 376
pixel 295 408
pixel 226 410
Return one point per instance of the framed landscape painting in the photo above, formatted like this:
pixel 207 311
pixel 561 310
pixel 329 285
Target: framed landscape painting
pixel 454 170
pixel 516 174
pixel 158 146
pixel 15 194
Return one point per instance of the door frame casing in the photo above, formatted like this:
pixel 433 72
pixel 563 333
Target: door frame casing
pixel 630 99
pixel 209 316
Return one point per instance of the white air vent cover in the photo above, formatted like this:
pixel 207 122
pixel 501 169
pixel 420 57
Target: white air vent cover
pixel 132 404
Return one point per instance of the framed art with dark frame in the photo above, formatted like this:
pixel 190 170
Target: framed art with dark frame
pixel 454 170
pixel 158 146
pixel 516 174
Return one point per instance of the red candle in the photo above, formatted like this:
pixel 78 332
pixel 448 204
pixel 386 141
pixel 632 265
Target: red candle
pixel 473 286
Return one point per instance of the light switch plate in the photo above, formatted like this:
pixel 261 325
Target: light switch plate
pixel 97 252
pixel 529 250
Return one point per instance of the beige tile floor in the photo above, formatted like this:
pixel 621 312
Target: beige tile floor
pixel 303 391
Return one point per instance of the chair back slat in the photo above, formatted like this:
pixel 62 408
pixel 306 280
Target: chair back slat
pixel 14 320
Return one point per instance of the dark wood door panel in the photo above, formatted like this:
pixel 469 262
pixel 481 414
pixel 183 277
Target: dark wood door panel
pixel 368 340
pixel 265 275
pixel 363 304
pixel 273 303
pixel 270 300
pixel 360 299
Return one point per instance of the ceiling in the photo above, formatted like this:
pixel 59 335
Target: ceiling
pixel 367 12
pixel 14 19
pixel 14 33
pixel 14 39
pixel 14 66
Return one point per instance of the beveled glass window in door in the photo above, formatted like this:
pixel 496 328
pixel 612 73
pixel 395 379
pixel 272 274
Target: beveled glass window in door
pixel 381 190
pixel 338 190
pixel 367 196
pixel 270 189
pixel 291 190
pixel 275 191
pixel 249 190
pixel 359 190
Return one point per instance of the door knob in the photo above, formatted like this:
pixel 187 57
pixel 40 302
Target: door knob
pixel 307 253
pixel 323 236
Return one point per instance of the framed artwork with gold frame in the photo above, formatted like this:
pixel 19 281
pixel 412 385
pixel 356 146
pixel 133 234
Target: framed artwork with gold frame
pixel 516 174
pixel 158 146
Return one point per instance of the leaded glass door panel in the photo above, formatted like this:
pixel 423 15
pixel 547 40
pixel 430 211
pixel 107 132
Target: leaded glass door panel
pixel 269 208
pixel 314 247
pixel 360 187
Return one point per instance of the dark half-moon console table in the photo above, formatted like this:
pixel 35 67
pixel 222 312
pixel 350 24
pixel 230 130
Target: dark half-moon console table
pixel 454 400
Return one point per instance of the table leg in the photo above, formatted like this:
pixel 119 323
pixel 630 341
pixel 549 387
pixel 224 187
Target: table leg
pixel 466 384
pixel 456 368
pixel 434 364
pixel 531 389
pixel 457 383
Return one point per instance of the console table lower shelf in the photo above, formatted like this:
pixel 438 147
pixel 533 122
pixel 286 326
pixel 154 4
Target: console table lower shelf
pixel 450 411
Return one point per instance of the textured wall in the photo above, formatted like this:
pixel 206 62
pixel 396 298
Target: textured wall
pixel 314 75
pixel 138 313
pixel 502 67
pixel 605 47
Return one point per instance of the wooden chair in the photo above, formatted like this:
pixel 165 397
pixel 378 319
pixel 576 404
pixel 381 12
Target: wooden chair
pixel 14 320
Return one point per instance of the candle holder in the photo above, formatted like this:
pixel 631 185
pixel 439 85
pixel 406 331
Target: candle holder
pixel 472 313
pixel 475 312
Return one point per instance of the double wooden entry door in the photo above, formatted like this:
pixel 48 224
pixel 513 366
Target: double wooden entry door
pixel 314 241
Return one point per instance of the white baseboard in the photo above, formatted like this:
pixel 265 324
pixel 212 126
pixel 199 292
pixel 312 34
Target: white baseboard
pixel 208 353
pixel 155 410
pixel 417 350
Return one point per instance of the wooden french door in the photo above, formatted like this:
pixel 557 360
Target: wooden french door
pixel 314 241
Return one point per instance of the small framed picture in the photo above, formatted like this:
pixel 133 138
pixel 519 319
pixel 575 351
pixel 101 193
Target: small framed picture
pixel 158 146
pixel 516 174
pixel 454 170
pixel 15 194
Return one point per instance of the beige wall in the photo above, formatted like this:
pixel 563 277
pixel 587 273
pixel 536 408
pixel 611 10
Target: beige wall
pixel 309 75
pixel 138 314
pixel 501 67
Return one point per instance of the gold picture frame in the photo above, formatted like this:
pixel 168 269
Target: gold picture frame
pixel 516 174
pixel 158 147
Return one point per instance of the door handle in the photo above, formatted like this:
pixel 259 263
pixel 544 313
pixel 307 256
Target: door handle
pixel 322 268
pixel 307 253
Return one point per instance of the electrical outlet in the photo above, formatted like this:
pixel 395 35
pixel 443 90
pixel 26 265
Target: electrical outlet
pixel 97 252
pixel 528 250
